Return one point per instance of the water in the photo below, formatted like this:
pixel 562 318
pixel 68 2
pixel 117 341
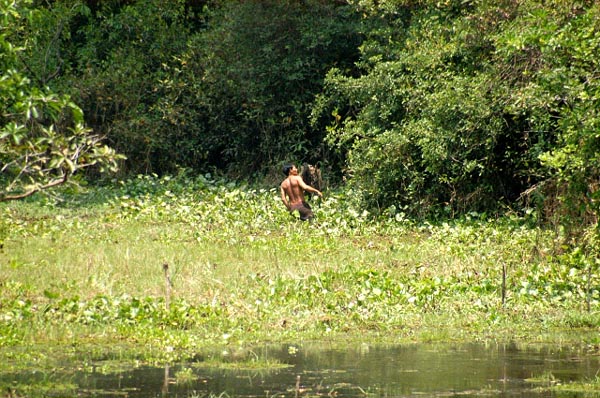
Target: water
pixel 469 370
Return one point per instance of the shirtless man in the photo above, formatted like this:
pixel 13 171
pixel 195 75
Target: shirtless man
pixel 292 192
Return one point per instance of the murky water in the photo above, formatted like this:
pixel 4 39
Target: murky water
pixel 470 370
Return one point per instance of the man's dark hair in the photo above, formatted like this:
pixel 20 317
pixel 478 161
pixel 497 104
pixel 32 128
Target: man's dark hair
pixel 286 168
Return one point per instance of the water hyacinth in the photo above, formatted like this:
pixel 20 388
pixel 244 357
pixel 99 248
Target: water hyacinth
pixel 190 261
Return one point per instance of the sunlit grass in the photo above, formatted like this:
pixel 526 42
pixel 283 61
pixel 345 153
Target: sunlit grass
pixel 239 265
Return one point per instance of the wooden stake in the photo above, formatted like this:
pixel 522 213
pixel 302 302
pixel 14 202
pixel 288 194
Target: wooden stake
pixel 503 283
pixel 167 286
pixel 589 288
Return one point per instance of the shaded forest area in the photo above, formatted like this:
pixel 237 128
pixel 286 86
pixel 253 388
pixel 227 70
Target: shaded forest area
pixel 421 107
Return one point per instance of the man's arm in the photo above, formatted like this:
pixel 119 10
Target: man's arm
pixel 308 188
pixel 284 197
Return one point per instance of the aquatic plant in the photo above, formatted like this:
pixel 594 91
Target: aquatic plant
pixel 240 269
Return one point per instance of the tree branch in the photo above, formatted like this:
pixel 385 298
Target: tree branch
pixel 53 183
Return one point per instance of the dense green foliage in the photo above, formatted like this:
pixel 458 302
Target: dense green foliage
pixel 231 85
pixel 264 62
pixel 463 104
pixel 424 107
pixel 43 138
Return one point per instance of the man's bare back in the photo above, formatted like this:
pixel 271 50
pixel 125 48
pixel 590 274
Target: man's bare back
pixel 293 189
pixel 292 192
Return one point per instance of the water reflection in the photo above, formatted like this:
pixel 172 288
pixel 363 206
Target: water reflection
pixel 368 370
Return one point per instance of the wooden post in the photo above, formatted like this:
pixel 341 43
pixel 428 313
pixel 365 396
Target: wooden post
pixel 503 283
pixel 589 288
pixel 167 286
pixel 165 386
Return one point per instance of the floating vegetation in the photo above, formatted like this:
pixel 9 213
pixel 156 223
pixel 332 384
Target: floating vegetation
pixel 168 266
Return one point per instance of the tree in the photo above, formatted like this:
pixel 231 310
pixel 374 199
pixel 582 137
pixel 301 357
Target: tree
pixel 263 64
pixel 465 105
pixel 43 139
pixel 129 56
pixel 422 124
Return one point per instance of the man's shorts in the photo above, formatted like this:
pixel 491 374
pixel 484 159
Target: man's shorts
pixel 304 210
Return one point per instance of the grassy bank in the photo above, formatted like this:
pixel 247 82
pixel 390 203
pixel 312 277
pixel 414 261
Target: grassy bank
pixel 160 269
